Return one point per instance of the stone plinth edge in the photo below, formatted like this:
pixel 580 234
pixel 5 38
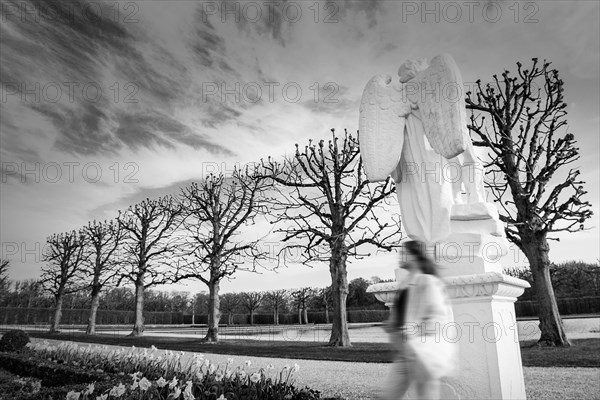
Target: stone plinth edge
pixel 486 284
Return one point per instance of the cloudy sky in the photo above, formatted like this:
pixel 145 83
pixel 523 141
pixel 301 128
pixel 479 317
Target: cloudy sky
pixel 104 104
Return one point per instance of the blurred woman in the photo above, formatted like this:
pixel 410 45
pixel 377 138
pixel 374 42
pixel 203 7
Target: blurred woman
pixel 416 326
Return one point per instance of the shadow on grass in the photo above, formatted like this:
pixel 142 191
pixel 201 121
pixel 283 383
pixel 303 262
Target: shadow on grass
pixel 583 353
pixel 359 352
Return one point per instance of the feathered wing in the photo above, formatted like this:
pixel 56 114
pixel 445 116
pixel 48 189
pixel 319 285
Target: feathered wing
pixel 381 126
pixel 439 95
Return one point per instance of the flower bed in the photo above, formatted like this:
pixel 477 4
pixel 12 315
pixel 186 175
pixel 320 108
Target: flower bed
pixel 96 372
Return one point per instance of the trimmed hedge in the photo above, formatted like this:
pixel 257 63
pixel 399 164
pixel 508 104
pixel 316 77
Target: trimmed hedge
pixel 39 316
pixel 14 340
pixel 314 317
pixel 51 374
pixel 368 315
pixel 26 388
pixel 568 306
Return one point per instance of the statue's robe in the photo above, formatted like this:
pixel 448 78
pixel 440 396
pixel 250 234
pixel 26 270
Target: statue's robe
pixel 423 186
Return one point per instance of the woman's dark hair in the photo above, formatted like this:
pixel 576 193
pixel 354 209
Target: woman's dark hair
pixel 417 249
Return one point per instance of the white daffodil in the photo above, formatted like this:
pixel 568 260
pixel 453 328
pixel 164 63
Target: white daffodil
pixel 255 377
pixel 187 392
pixel 90 389
pixel 173 383
pixel 145 384
pixel 73 395
pixel 117 391
pixel 161 382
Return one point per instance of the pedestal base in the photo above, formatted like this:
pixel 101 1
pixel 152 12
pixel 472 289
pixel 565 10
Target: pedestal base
pixel 485 328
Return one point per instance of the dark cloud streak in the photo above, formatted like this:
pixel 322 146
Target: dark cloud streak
pixel 57 43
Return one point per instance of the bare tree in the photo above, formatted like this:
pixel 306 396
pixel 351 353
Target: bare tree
pixel 216 210
pixel 322 300
pixel 521 120
pixel 327 212
pixel 32 290
pixel 64 255
pixel 252 301
pixel 149 246
pixel 104 241
pixel 229 303
pixel 276 299
pixel 4 282
pixel 302 298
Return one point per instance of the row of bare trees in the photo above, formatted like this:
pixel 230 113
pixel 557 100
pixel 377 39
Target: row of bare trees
pixel 318 201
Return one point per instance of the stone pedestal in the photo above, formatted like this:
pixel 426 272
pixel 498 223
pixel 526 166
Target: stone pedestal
pixel 489 363
pixel 489 357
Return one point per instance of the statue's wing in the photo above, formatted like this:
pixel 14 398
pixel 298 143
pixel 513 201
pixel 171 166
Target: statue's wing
pixel 439 95
pixel 381 126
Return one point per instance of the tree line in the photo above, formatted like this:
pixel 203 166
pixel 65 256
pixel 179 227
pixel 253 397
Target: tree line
pixel 569 279
pixel 316 202
pixel 29 294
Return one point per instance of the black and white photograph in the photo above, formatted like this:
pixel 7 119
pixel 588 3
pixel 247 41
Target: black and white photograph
pixel 299 199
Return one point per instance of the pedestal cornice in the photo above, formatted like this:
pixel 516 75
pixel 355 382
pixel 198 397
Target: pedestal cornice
pixel 486 284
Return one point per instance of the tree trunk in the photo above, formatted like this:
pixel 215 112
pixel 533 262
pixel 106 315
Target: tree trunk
pixel 91 328
pixel 305 311
pixel 138 325
pixel 326 314
pixel 276 316
pixel 251 317
pixel 28 308
pixel 214 313
pixel 551 326
pixel 57 314
pixel 230 320
pixel 339 328
pixel 299 316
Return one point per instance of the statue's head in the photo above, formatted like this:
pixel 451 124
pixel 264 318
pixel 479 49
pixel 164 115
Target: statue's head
pixel 411 68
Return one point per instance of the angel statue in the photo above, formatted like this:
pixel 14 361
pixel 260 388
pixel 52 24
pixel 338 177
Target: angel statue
pixel 415 131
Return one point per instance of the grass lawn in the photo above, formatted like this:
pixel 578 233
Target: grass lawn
pixel 583 353
pixel 562 383
pixel 364 352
